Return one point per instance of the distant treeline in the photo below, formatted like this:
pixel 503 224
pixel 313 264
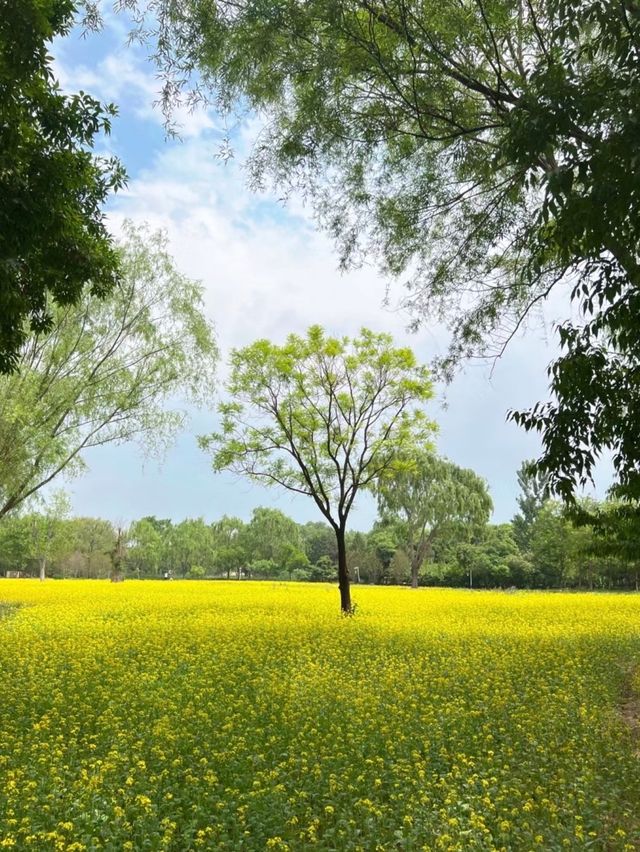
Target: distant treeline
pixel 541 548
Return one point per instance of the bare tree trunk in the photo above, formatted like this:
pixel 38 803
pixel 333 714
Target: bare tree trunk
pixel 117 556
pixel 343 573
pixel 43 567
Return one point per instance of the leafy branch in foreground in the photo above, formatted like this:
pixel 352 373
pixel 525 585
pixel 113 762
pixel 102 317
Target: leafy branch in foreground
pixel 486 150
pixel 53 240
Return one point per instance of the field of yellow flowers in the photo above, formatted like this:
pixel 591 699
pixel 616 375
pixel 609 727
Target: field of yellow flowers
pixel 251 716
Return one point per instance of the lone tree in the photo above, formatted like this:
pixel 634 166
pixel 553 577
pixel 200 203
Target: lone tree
pixel 53 240
pixel 429 498
pixel 324 417
pixel 485 149
pixel 105 371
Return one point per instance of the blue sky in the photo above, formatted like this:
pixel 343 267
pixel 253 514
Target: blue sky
pixel 267 271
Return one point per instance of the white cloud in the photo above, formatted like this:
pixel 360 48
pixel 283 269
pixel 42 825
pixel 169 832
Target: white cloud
pixel 266 272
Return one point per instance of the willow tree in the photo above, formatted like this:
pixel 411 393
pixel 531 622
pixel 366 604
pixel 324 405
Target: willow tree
pixel 111 369
pixel 324 417
pixel 432 497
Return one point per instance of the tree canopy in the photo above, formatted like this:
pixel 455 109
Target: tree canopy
pixel 105 370
pixel 324 417
pixel 533 494
pixel 53 240
pixel 430 497
pixel 270 535
pixel 485 150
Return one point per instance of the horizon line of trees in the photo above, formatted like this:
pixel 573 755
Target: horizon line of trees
pixel 543 547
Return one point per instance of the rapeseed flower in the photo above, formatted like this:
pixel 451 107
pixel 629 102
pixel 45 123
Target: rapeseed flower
pixel 228 716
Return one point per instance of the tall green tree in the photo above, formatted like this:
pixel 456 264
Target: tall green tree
pixel 270 535
pixel 490 560
pixel 558 549
pixel 146 547
pixel 486 150
pixel 534 491
pixel 363 558
pixel 192 544
pixel 400 567
pixel 319 541
pixel 383 538
pixel 229 542
pixel 94 539
pixel 53 240
pixel 15 540
pixel 297 565
pixel 324 417
pixel 105 372
pixel 615 540
pixel 431 497
pixel 50 537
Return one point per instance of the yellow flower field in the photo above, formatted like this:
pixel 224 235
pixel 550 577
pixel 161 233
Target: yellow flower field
pixel 251 716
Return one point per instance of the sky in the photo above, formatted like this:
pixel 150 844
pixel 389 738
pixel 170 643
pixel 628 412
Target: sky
pixel 267 271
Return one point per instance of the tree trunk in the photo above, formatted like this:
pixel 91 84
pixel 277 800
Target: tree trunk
pixel 421 552
pixel 343 573
pixel 43 567
pixel 415 567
